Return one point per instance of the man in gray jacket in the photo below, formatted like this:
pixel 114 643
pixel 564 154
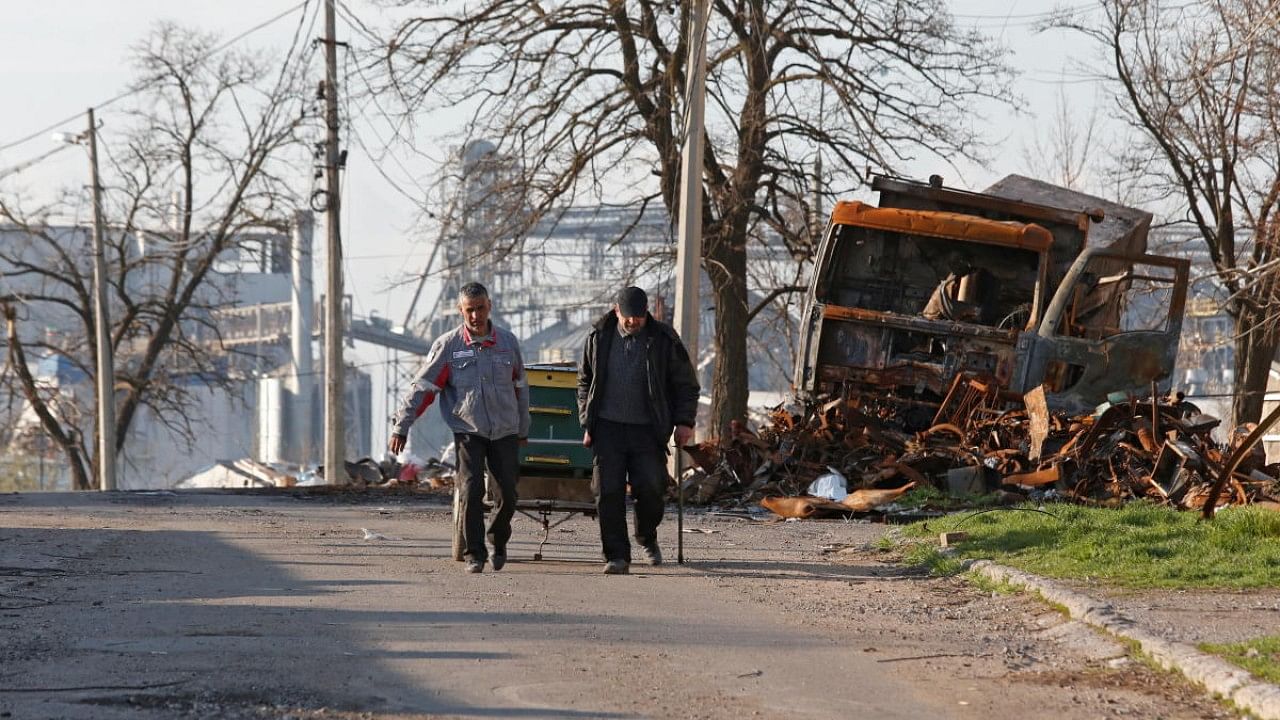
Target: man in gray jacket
pixel 478 372
pixel 636 385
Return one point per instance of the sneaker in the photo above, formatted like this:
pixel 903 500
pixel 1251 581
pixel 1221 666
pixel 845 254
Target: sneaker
pixel 653 553
pixel 617 567
pixel 499 558
pixel 475 566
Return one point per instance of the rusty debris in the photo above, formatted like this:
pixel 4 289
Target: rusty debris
pixel 1158 449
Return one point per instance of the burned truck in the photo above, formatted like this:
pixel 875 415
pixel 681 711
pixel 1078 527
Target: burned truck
pixel 1026 285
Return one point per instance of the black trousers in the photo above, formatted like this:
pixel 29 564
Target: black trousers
pixel 627 453
pixel 503 459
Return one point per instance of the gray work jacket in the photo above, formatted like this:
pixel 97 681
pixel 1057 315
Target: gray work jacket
pixel 482 385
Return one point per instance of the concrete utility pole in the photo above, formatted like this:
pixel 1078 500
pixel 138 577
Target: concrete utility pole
pixel 689 250
pixel 102 332
pixel 334 439
pixel 300 326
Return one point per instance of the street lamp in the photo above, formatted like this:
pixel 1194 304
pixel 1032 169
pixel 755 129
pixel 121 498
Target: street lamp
pixel 106 371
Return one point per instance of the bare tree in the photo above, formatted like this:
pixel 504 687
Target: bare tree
pixel 1066 151
pixel 588 95
pixel 1198 85
pixel 194 170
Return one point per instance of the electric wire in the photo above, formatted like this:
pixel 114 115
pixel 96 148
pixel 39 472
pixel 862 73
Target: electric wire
pixel 148 83
pixel 19 167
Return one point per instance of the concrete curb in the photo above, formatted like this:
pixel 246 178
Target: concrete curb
pixel 1217 675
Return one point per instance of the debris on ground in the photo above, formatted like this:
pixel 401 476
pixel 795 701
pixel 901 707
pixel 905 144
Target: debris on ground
pixel 1158 449
pixel 413 475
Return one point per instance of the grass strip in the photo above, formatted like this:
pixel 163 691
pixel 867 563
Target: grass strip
pixel 1260 656
pixel 1138 545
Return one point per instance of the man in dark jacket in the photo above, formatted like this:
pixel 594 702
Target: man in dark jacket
pixel 636 385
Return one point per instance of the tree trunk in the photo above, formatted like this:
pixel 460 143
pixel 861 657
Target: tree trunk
pixel 80 479
pixel 66 440
pixel 1255 347
pixel 728 272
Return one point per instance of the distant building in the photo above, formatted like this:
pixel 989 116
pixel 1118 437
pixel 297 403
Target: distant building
pixel 270 411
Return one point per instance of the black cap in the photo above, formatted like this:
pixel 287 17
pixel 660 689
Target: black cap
pixel 632 302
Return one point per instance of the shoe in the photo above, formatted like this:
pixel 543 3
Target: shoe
pixel 653 553
pixel 499 558
pixel 617 567
pixel 475 566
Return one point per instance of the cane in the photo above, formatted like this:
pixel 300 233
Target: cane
pixel 679 508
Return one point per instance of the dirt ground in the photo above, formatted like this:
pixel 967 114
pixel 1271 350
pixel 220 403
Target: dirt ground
pixel 247 606
pixel 990 642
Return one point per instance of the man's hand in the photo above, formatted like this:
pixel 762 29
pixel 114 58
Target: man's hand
pixel 684 435
pixel 396 444
pixel 586 438
pixel 524 441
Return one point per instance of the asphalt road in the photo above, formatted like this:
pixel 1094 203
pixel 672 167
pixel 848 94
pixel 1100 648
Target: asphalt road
pixel 249 606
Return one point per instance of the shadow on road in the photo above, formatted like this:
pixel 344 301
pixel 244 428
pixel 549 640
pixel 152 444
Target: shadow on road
pixel 175 621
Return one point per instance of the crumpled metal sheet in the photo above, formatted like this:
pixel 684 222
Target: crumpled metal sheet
pixel 1157 449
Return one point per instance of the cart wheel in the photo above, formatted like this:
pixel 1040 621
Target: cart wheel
pixel 458 548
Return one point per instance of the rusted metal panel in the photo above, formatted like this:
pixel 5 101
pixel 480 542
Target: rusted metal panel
pixel 877 349
pixel 1038 421
pixel 1080 372
pixel 918 324
pixel 944 225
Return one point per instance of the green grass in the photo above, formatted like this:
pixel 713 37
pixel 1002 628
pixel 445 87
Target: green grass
pixel 986 584
pixel 1263 662
pixel 926 556
pixel 931 498
pixel 1138 545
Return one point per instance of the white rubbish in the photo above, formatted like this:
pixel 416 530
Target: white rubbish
pixel 368 534
pixel 449 456
pixel 831 485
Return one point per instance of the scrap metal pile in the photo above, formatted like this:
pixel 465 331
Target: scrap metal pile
pixel 1159 449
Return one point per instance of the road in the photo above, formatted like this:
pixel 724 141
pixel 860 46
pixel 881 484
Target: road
pixel 231 606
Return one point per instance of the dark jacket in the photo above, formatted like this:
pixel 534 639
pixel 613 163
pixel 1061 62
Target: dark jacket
pixel 673 384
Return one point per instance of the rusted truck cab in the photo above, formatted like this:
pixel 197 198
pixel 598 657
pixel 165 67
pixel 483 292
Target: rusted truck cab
pixel 937 283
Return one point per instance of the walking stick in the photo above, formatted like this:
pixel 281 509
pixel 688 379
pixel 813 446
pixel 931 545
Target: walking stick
pixel 680 509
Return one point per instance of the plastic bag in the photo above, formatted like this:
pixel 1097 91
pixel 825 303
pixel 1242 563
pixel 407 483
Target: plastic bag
pixel 410 466
pixel 831 485
pixel 450 455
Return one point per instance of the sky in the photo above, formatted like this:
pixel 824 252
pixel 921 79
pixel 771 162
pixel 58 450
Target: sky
pixel 59 57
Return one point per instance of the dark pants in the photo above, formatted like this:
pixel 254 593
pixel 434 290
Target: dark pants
pixel 627 453
pixel 503 458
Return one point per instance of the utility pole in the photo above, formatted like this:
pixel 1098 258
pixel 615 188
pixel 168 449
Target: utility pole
pixel 335 470
pixel 689 249
pixel 300 381
pixel 102 333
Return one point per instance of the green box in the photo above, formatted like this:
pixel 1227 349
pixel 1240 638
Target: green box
pixel 555 435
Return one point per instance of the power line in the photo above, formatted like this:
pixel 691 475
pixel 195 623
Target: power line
pixel 1019 16
pixel 19 167
pixel 1063 81
pixel 148 83
pixel 352 21
pixel 356 24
